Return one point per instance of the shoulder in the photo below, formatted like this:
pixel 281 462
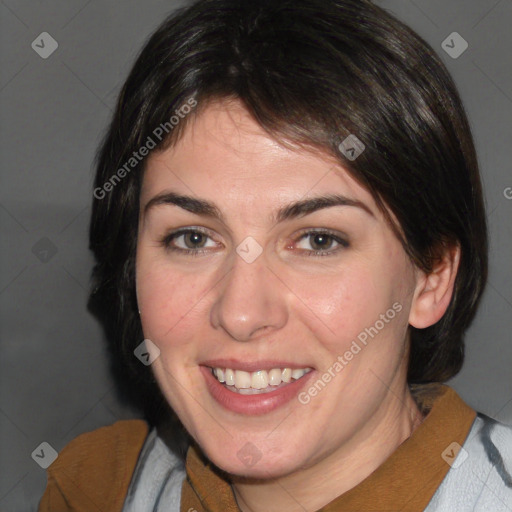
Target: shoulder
pixel 94 469
pixel 480 478
pixel 122 432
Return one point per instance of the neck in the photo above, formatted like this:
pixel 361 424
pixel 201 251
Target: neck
pixel 309 490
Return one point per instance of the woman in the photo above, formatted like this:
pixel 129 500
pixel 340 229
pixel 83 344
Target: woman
pixel 288 212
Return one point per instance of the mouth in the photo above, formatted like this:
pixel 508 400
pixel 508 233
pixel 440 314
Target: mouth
pixel 259 381
pixel 254 392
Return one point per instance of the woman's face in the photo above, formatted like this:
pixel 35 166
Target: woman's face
pixel 269 276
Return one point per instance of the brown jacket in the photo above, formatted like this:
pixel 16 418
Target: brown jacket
pixel 93 472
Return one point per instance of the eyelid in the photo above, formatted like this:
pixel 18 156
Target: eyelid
pixel 340 238
pixel 166 240
pixel 192 229
pixel 337 235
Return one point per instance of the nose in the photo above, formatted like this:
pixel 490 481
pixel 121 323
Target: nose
pixel 251 301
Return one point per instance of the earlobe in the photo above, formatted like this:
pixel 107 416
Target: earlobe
pixel 434 290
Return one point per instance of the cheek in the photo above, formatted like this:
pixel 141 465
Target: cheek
pixel 356 304
pixel 344 302
pixel 169 303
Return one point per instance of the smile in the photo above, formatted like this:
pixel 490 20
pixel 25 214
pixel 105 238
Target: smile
pixel 260 381
pixel 255 392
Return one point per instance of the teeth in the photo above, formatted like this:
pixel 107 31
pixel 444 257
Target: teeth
pixel 230 377
pixel 219 373
pixel 260 379
pixel 297 374
pixel 242 379
pixel 274 377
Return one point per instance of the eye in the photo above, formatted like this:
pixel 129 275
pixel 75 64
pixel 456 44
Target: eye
pixel 321 243
pixel 194 241
pixel 188 241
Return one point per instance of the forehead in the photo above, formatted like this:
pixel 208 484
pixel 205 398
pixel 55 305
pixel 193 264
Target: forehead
pixel 226 156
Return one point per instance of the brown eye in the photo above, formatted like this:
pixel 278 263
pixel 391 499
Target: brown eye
pixel 188 241
pixel 194 239
pixel 320 243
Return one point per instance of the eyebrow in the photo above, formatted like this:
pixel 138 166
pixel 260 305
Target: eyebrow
pixel 293 210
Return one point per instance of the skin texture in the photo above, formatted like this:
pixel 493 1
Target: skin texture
pixel 285 305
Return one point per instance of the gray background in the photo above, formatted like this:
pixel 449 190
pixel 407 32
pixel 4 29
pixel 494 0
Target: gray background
pixel 55 381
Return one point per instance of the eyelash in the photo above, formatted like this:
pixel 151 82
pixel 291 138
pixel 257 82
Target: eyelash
pixel 166 242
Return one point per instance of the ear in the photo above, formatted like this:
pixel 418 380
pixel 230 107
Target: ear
pixel 434 290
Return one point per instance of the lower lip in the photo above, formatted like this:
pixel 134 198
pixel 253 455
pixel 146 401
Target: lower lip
pixel 253 405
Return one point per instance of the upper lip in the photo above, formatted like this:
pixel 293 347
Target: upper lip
pixel 252 366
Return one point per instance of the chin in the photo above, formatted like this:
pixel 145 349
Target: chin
pixel 255 468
